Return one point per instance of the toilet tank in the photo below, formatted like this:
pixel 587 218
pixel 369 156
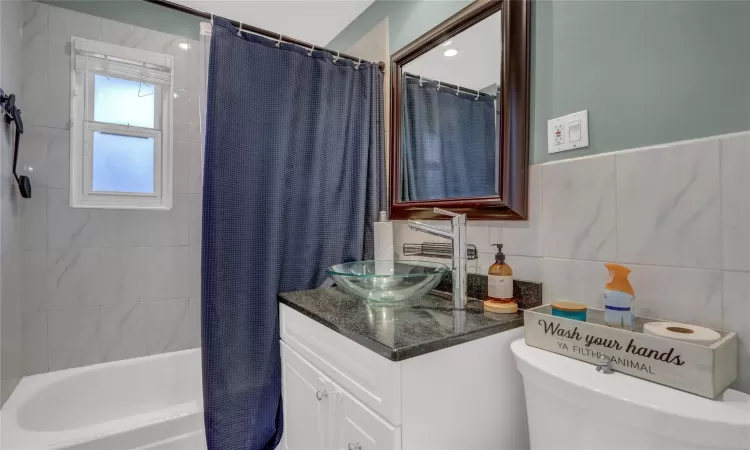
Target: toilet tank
pixel 571 406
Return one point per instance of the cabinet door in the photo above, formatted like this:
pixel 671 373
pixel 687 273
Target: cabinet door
pixel 359 428
pixel 306 403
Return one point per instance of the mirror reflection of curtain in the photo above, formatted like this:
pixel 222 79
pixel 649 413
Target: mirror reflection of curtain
pixel 448 144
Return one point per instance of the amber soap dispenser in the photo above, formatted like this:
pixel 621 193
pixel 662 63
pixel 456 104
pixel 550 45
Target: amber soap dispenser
pixel 500 285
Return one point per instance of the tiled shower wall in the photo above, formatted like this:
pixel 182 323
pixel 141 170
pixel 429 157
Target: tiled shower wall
pixel 101 285
pixel 10 202
pixel 678 215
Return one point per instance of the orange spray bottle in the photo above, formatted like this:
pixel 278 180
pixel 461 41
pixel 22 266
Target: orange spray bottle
pixel 618 298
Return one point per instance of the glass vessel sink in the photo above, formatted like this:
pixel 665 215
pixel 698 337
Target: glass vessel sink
pixel 388 282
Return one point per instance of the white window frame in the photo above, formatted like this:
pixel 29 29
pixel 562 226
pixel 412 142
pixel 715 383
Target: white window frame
pixel 137 63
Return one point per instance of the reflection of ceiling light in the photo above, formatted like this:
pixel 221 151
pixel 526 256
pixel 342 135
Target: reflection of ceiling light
pixel 184 45
pixel 451 52
pixel 447 43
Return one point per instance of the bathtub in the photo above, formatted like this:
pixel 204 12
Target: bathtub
pixel 149 403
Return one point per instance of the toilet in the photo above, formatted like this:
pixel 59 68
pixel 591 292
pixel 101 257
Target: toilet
pixel 571 406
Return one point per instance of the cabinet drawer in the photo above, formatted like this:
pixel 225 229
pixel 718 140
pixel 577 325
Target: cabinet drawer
pixel 372 379
pixel 358 428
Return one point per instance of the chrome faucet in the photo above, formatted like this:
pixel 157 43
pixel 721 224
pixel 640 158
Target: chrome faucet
pixel 457 234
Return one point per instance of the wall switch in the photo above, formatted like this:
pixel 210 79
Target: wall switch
pixel 568 132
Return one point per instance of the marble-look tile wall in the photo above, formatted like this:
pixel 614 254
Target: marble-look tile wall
pixel 10 204
pixel 678 215
pixel 102 285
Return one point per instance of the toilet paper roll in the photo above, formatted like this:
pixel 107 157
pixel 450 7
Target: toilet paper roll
pixel 383 237
pixel 682 332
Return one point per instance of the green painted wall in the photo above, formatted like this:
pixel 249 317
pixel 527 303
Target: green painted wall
pixel 649 72
pixel 136 12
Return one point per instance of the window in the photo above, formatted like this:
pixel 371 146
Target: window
pixel 121 127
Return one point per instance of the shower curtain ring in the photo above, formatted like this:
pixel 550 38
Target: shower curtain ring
pixel 438 88
pixel 239 30
pixel 278 43
pixel 310 53
pixel 458 89
pixel 356 66
pixel 420 81
pixel 336 58
pixel 477 97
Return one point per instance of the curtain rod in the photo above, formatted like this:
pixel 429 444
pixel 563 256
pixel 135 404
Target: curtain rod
pixel 256 30
pixel 465 90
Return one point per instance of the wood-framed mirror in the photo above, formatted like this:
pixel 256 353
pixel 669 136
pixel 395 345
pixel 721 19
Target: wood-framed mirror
pixel 460 116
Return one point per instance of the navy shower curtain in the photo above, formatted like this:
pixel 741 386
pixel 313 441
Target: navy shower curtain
pixel 449 144
pixel 293 180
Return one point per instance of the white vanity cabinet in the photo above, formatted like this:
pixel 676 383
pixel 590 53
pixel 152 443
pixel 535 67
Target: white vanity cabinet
pixel 340 395
pixel 321 415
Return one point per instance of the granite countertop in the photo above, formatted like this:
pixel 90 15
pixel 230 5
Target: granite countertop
pixel 421 326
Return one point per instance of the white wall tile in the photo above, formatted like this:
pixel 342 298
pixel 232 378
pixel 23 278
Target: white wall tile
pixel 34 331
pixel 677 294
pixel 35 63
pixel 402 234
pixel 525 268
pixel 735 205
pixel 34 291
pixel 172 325
pixel 480 266
pixel 78 259
pixel 524 238
pixel 69 227
pixel 668 206
pixel 74 337
pixel 195 212
pixel 122 33
pixel 195 323
pixel 32 154
pixel 58 158
pixel 737 318
pixel 73 278
pixel 126 330
pixel 171 227
pixel 172 264
pixel 64 24
pixel 120 228
pixel 126 275
pixel 497 236
pixel 194 271
pixel 11 347
pixel 578 209
pixel 34 220
pixel 576 281
pixel 182 152
pixel 195 170
pixel 187 127
pixel 476 234
pixel 10 281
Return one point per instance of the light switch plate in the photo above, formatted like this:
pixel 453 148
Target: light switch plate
pixel 568 132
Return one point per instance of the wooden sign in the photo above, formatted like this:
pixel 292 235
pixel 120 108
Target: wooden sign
pixel 702 370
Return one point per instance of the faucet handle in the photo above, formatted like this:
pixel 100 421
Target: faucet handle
pixel 445 212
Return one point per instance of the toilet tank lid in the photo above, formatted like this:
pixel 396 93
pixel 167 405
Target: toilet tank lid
pixel 558 372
